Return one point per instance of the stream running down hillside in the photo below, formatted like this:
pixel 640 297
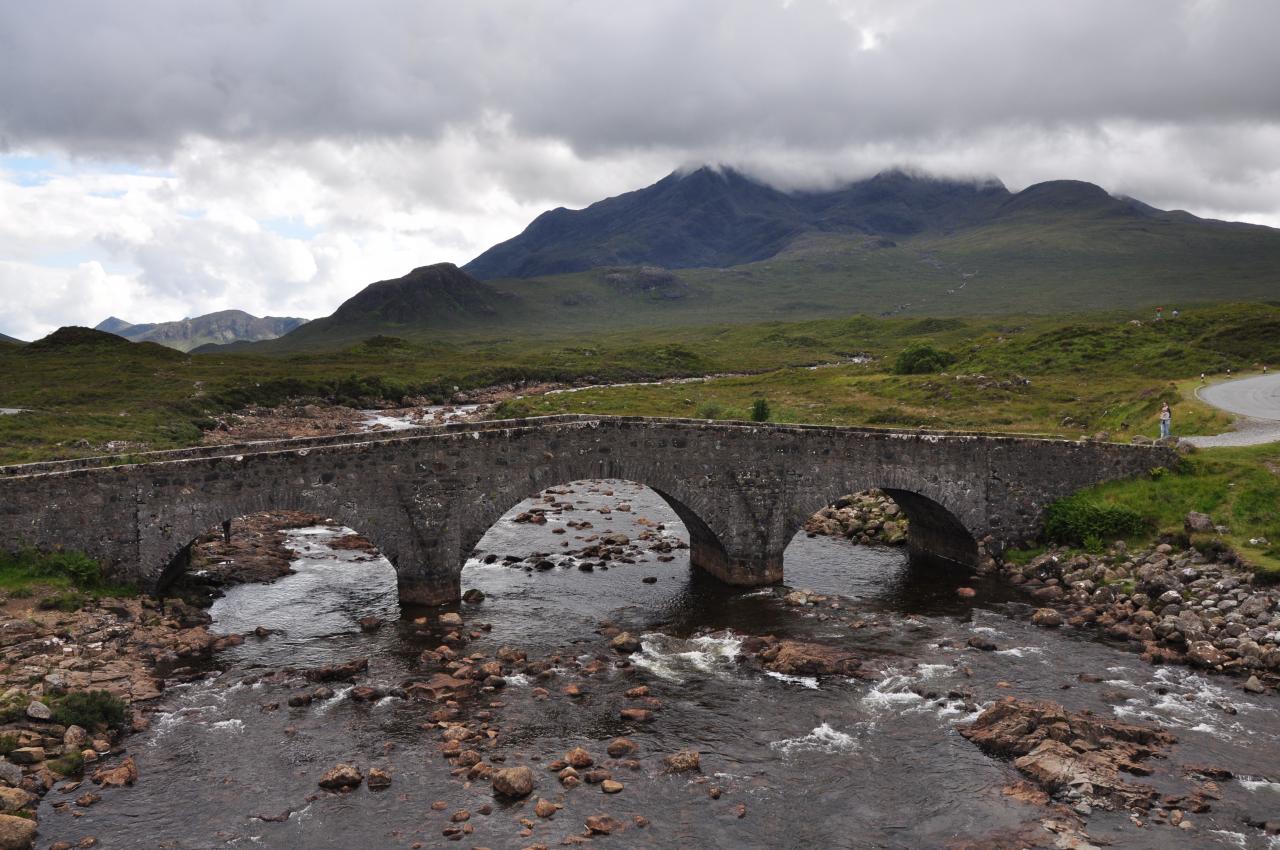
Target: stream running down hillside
pixel 786 760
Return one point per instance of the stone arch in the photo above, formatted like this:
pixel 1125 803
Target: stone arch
pixel 706 549
pixel 181 525
pixel 936 525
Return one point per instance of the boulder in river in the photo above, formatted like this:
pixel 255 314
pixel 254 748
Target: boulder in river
pixel 683 761
pixel 802 658
pixel 341 776
pixel 513 782
pixel 1055 748
pixel 625 643
pixel 338 672
pixel 125 773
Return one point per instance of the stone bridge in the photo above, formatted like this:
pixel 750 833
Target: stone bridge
pixel 425 497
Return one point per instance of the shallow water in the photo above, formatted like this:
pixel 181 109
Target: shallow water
pixel 829 763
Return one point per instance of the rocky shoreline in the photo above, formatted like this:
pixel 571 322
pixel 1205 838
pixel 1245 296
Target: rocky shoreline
pixel 122 647
pixel 1173 606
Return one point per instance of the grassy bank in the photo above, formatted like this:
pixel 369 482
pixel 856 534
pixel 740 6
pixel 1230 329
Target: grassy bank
pixel 1238 488
pixel 56 580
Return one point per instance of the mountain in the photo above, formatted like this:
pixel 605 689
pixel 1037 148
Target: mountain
pixel 221 327
pixel 721 217
pixel 8 340
pixel 430 298
pixel 715 246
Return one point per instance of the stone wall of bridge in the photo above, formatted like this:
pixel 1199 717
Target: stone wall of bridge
pixel 426 498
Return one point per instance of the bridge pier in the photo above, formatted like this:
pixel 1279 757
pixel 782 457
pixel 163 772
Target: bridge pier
pixel 739 570
pixel 443 588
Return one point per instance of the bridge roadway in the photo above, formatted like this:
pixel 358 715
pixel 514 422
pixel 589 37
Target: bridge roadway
pixel 425 497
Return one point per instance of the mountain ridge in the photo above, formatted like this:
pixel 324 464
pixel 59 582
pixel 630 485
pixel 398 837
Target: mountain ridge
pixel 222 326
pixel 710 218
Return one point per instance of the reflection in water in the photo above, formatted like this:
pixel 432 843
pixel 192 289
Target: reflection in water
pixel 832 763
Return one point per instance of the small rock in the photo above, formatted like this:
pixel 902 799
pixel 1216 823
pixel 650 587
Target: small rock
pixel 378 779
pixel 602 824
pixel 579 758
pixel 451 620
pixel 636 715
pixel 545 808
pixel 620 747
pixel 626 643
pixel 39 711
pixel 683 761
pixel 341 776
pixel 1046 617
pixel 474 596
pixel 611 786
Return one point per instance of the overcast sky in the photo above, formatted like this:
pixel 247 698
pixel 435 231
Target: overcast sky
pixel 162 159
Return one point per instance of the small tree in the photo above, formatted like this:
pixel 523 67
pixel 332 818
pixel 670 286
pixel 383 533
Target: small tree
pixel 921 358
pixel 760 410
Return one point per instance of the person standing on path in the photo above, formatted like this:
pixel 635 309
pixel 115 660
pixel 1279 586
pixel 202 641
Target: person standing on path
pixel 1166 420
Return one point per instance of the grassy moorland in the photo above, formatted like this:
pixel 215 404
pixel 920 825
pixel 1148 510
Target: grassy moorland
pixel 1070 376
pixel 1074 376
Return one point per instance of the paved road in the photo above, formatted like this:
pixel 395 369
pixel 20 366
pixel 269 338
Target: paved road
pixel 1256 403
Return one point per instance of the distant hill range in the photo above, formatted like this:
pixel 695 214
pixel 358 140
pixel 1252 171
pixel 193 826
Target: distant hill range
pixel 217 328
pixel 718 246
pixel 10 340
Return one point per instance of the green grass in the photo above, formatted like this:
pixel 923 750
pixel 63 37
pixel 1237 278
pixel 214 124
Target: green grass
pixel 69 578
pixel 1236 487
pixel 1070 375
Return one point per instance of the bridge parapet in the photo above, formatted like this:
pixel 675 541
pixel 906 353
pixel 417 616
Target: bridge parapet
pixel 426 496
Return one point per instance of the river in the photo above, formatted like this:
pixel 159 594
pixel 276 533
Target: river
pixel 794 761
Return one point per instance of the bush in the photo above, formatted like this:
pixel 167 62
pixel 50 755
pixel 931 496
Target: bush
pixel 1076 520
pixel 89 709
pixel 8 743
pixel 921 358
pixel 760 410
pixel 711 410
pixel 65 600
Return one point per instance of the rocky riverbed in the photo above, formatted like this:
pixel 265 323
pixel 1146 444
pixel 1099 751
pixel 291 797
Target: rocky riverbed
pixel 594 690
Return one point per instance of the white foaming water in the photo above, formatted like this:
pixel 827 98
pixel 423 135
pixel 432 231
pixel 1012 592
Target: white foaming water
pixel 809 682
pixel 1020 651
pixel 893 690
pixel 1237 839
pixel 928 671
pixel 233 725
pixel 823 739
pixel 673 658
pixel 1258 783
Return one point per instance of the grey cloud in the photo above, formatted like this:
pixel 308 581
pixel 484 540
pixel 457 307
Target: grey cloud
pixel 137 77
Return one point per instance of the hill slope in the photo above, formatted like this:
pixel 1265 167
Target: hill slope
pixel 427 299
pixel 216 328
